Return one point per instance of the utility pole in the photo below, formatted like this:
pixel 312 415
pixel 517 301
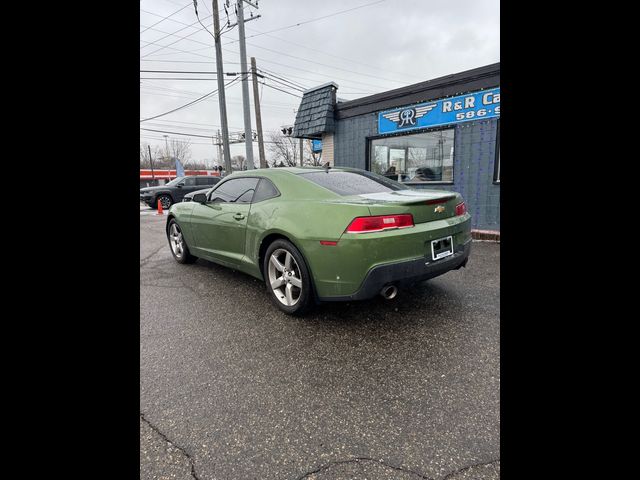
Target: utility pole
pixel 256 101
pixel 153 177
pixel 245 87
pixel 219 143
pixel 221 94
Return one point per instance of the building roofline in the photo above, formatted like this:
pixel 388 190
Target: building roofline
pixel 334 84
pixel 474 74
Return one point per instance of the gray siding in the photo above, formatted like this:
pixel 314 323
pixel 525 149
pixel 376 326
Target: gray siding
pixel 473 162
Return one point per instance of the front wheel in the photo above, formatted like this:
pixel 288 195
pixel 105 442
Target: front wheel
pixel 287 278
pixel 179 248
pixel 165 200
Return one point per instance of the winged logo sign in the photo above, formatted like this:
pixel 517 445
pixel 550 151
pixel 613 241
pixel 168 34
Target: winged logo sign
pixel 463 108
pixel 408 116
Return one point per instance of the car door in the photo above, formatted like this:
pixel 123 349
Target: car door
pixel 188 185
pixel 220 225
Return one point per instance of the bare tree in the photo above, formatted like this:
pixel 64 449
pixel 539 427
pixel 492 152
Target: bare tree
pixel 310 157
pixel 237 162
pixel 284 149
pixel 177 149
pixel 144 156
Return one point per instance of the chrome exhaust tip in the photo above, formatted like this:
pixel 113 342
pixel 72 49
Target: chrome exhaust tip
pixel 389 292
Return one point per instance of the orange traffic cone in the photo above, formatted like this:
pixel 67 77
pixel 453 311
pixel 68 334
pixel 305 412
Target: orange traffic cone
pixel 160 212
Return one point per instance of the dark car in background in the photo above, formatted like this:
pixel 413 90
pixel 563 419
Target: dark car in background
pixel 175 190
pixel 189 196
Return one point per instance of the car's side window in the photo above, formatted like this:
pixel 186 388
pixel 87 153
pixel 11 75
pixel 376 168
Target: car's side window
pixel 238 190
pixel 203 181
pixel 189 182
pixel 265 191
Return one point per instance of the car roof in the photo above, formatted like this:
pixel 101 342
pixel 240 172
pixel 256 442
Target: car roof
pixel 287 171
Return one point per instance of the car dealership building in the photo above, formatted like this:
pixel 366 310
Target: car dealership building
pixel 441 134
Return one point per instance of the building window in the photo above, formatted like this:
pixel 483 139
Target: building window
pixel 496 171
pixel 425 157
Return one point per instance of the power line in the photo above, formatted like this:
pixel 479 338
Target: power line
pixel 213 92
pixel 283 91
pixel 199 20
pixel 289 42
pixel 324 64
pixel 195 6
pixel 284 84
pixel 271 105
pixel 175 34
pixel 186 61
pixel 349 81
pixel 285 54
pixel 165 18
pixel 176 78
pixel 209 72
pixel 292 83
pixel 177 133
pixel 313 20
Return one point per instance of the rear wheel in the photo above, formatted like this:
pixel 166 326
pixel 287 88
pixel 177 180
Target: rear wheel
pixel 287 278
pixel 178 246
pixel 165 200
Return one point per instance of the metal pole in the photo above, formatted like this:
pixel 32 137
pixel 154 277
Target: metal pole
pixel 256 101
pixel 245 88
pixel 153 177
pixel 221 94
pixel 220 160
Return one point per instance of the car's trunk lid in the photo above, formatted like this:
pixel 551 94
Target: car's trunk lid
pixel 425 206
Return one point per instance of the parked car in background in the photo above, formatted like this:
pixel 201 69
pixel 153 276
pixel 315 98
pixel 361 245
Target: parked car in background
pixel 322 234
pixel 175 190
pixel 189 196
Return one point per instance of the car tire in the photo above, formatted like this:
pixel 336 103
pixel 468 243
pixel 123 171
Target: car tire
pixel 165 200
pixel 287 278
pixel 177 243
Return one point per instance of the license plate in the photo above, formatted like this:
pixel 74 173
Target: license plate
pixel 441 248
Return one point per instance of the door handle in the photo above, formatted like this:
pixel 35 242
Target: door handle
pixel 238 216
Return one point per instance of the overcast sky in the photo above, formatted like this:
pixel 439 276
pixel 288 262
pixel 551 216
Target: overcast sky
pixel 381 46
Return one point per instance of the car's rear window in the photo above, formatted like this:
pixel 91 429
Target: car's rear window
pixel 352 183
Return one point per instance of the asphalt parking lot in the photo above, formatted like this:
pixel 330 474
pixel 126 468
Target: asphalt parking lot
pixel 231 388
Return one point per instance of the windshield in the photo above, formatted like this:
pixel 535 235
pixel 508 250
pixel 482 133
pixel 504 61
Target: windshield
pixel 175 181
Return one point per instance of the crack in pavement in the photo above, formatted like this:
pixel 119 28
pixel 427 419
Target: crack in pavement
pixel 362 459
pixel 166 439
pixel 394 467
pixel 144 260
pixel 331 464
pixel 464 469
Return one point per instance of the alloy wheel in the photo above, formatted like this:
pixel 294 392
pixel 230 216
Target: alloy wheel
pixel 165 201
pixel 285 277
pixel 176 241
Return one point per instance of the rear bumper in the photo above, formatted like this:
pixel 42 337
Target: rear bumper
pixel 407 272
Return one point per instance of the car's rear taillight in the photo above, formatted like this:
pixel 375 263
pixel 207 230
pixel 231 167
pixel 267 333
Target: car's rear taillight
pixel 380 223
pixel 461 209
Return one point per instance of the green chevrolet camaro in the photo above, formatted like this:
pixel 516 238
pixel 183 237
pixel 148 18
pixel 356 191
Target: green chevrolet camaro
pixel 318 235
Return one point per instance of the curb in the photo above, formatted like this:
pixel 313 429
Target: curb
pixel 486 235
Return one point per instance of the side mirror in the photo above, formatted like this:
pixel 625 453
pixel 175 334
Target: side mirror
pixel 200 198
pixel 179 185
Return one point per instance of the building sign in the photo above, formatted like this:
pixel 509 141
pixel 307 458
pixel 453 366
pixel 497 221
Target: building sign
pixel 316 146
pixel 464 108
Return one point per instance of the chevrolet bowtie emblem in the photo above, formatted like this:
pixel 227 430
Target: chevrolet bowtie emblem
pixel 439 209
